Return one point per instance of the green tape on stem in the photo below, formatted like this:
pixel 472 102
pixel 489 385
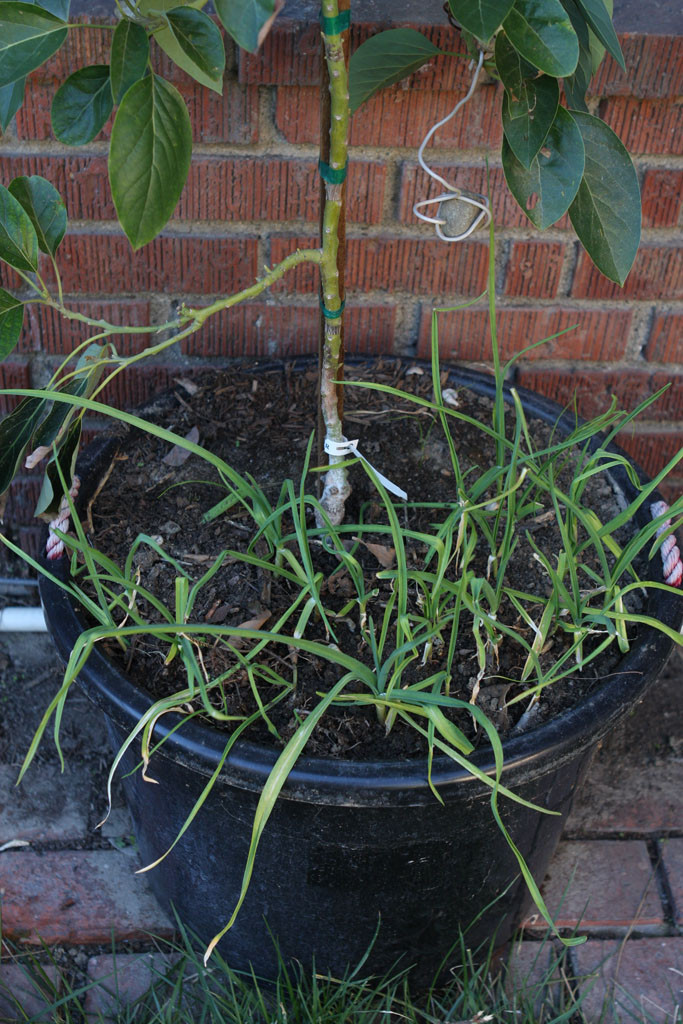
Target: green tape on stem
pixel 332 314
pixel 333 26
pixel 333 175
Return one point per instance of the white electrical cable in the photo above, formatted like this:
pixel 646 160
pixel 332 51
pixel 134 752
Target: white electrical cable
pixel 476 200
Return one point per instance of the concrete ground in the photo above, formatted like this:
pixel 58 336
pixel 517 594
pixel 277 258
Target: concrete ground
pixel 617 877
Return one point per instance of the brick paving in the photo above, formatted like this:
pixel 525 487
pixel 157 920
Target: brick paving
pixel 617 878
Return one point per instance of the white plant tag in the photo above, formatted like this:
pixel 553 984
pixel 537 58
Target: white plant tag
pixel 345 447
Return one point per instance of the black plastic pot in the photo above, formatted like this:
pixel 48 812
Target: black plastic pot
pixel 350 845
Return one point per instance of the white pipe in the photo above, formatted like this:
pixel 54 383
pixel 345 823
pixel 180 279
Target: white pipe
pixel 22 620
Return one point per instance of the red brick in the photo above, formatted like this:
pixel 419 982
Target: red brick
pixel 641 980
pixel 629 800
pixel 82 181
pixel 534 269
pixel 22 499
pixel 416 266
pixel 662 197
pixel 396 264
pixel 657 273
pixel 123 979
pixel 51 333
pixel 35 991
pixel 87 45
pixel 651 449
pixel 283 331
pixel 218 188
pixel 138 384
pixel 672 859
pixel 538 974
pixel 290 55
pixel 653 68
pixel 645 126
pixel 183 265
pixel 594 390
pixel 397 117
pixel 416 185
pixel 13 375
pixel 303 278
pixel 31 540
pixel 49 806
pixel 671 488
pixel 465 334
pixel 33 119
pixel 665 344
pixel 232 117
pixel 602 886
pixel 253 188
pixel 77 898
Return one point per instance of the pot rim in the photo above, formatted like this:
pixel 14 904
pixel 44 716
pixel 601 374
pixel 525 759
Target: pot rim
pixel 248 764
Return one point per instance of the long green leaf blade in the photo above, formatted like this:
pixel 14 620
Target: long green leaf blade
pixel 15 434
pixel 194 43
pixel 606 211
pixel 82 105
pixel 11 322
pixel 18 239
pixel 244 19
pixel 540 30
pixel 546 189
pixel 149 157
pixel 45 207
pixel 482 17
pixel 11 98
pixel 386 58
pixel 28 36
pixel 128 57
pixel 600 21
pixel 528 119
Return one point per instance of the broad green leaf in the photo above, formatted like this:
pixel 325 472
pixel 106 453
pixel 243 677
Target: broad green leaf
pixel 244 19
pixel 18 239
pixel 596 47
pixel 50 497
pixel 540 30
pixel 148 8
pixel 82 105
pixel 15 434
pixel 606 211
pixel 576 85
pixel 44 205
pixel 600 21
pixel 149 157
pixel 481 17
pixel 527 120
pixel 546 189
pixel 128 58
pixel 386 58
pixel 511 67
pixel 11 322
pixel 49 430
pixel 28 36
pixel 11 98
pixel 60 8
pixel 195 44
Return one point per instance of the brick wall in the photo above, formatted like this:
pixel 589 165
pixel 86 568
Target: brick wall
pixel 252 197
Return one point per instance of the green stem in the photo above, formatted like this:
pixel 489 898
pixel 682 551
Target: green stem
pixel 336 489
pixel 198 316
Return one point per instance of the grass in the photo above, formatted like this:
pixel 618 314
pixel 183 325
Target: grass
pixel 178 989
